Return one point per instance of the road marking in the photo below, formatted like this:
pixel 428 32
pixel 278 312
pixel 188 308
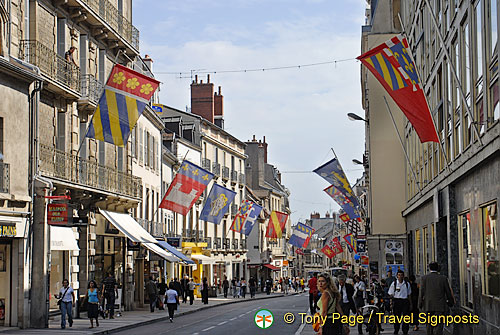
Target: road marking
pixel 207 329
pixel 299 331
pixel 232 319
pixel 221 323
pixel 241 315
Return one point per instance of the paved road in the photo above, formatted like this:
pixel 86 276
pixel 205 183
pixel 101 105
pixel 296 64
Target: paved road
pixel 237 319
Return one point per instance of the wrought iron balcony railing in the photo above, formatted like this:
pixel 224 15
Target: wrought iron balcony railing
pixel 152 227
pixel 206 164
pixel 225 173
pixel 4 177
pixel 50 63
pixel 110 14
pixel 235 243
pixel 91 89
pixel 68 167
pixel 241 178
pixel 234 176
pixel 216 169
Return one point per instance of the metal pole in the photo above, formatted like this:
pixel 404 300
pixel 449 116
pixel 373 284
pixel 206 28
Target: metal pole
pixel 402 145
pixel 462 93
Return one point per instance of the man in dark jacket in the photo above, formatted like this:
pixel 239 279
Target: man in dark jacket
pixel 435 296
pixel 225 286
pixel 152 292
pixel 178 289
pixel 185 289
pixel 346 291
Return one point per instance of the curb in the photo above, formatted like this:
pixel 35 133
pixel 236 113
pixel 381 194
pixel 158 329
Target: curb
pixel 164 318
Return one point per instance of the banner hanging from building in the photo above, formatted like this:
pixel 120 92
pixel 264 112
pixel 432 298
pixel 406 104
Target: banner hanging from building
pixel 125 96
pixel 276 224
pixel 300 235
pixel 351 243
pixel 246 217
pixel 332 172
pixel 187 186
pixel 217 204
pixel 344 202
pixel 328 251
pixel 393 67
pixel 336 246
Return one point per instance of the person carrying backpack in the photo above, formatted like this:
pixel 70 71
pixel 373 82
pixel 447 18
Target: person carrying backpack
pixel 400 291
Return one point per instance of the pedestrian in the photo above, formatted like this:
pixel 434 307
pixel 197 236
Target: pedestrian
pixel 92 299
pixel 390 279
pixel 191 286
pixel 204 291
pixel 185 291
pixel 152 293
pixel 110 292
pixel 400 291
pixel 346 291
pixel 172 300
pixel 68 55
pixel 243 288
pixel 177 287
pixel 238 287
pixel 435 297
pixel 225 286
pixel 66 301
pixel 162 288
pixel 262 284
pixel 329 304
pixel 414 301
pixel 269 284
pixel 234 288
pixel 302 284
pixel 313 293
pixel 359 298
pixel 253 286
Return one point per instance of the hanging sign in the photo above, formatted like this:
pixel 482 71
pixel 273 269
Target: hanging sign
pixel 57 214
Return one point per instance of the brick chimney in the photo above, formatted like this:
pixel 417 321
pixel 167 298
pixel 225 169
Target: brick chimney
pixel 327 215
pixel 315 216
pixel 202 99
pixel 263 144
pixel 219 108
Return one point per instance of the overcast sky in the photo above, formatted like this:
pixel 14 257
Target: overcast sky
pixel 302 112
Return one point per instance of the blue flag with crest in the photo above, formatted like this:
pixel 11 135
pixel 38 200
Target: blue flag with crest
pixel 217 204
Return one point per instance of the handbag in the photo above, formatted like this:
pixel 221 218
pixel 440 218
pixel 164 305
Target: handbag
pixel 60 299
pixel 317 318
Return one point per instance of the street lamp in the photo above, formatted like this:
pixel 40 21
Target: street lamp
pixel 355 117
pixel 357 162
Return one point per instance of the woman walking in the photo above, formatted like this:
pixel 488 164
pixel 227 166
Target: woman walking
pixel 172 300
pixel 204 291
pixel 92 303
pixel 328 304
pixel 359 298
pixel 243 289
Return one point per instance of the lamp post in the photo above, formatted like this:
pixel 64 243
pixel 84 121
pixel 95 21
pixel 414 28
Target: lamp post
pixel 355 117
pixel 357 162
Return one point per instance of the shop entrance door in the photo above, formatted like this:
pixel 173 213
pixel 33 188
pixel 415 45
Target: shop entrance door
pixel 4 284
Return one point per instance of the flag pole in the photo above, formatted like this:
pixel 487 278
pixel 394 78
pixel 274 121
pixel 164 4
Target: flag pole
pixel 461 89
pixel 402 145
pixel 410 53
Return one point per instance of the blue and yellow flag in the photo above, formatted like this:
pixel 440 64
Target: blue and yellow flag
pixel 217 204
pixel 125 96
pixel 332 172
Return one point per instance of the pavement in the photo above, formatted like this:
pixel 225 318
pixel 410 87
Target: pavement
pixel 132 319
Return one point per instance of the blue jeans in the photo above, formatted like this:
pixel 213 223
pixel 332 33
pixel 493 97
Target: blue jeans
pixel 66 308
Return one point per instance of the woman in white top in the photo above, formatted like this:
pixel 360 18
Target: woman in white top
pixel 172 300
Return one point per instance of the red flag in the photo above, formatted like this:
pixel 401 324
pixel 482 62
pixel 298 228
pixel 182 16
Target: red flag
pixel 344 217
pixel 336 246
pixel 299 251
pixel 328 251
pixel 391 64
pixel 276 224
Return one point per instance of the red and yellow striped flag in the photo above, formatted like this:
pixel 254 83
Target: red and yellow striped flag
pixel 276 224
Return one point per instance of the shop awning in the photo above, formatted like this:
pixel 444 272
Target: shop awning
pixel 62 238
pixel 271 267
pixel 204 259
pixel 175 252
pixel 134 231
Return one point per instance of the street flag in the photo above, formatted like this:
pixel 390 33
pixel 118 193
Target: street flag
pixel 392 65
pixel 343 201
pixel 328 251
pixel 276 224
pixel 332 172
pixel 365 260
pixel 187 186
pixel 300 235
pixel 336 246
pixel 246 217
pixel 217 204
pixel 125 96
pixel 351 242
pixel 299 252
pixel 361 246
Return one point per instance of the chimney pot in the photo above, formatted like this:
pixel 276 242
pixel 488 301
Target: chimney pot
pixel 220 90
pixel 208 78
pixel 264 139
pixel 253 138
pixel 196 78
pixel 201 81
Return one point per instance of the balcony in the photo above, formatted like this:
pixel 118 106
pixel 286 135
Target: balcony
pixel 216 169
pixel 4 177
pixel 234 177
pixel 206 164
pixel 152 227
pixel 225 173
pixel 235 244
pixel 52 65
pixel 243 244
pixel 234 210
pixel 104 12
pixel 91 90
pixel 68 167
pixel 241 179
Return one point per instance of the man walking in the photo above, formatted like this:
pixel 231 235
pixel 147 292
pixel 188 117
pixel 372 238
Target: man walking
pixel 313 292
pixel 184 285
pixel 178 288
pixel 346 292
pixel 110 292
pixel 253 286
pixel 225 286
pixel 191 286
pixel 67 300
pixel 400 290
pixel 152 292
pixel 435 296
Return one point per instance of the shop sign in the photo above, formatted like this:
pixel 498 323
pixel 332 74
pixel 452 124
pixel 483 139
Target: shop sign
pixel 133 246
pixel 8 230
pixel 57 214
pixel 285 263
pixel 174 241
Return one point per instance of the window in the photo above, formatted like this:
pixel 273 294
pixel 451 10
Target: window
pixel 479 50
pixel 494 98
pixel 141 145
pixel 61 130
pixel 120 159
pixel 1 140
pixel 494 27
pixel 465 260
pixel 433 242
pixel 425 236
pixel 102 153
pixel 491 250
pixel 417 251
pixel 133 139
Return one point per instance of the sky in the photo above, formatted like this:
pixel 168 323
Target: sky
pixel 301 111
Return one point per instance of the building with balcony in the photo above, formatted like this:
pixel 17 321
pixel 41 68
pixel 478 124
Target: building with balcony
pixel 19 84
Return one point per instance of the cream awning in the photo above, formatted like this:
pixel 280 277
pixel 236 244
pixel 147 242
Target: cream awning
pixel 62 238
pixel 204 259
pixel 134 231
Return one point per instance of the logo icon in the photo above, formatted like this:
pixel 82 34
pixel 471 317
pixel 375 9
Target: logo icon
pixel 264 318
